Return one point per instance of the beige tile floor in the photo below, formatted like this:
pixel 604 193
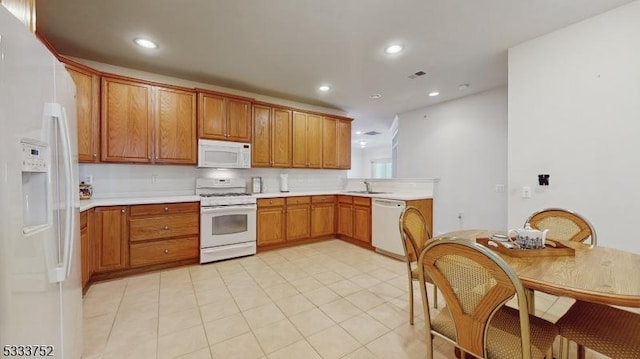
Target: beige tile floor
pixel 325 300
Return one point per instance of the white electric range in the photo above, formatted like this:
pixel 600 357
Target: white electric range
pixel 227 219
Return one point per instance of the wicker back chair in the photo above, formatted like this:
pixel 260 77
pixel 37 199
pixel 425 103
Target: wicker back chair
pixel 414 234
pixel 563 225
pixel 476 283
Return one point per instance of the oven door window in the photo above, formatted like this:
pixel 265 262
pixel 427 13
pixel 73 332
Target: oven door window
pixel 229 224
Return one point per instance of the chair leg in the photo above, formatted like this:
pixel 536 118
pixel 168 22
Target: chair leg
pixel 410 301
pixel 581 351
pixel 564 348
pixel 435 296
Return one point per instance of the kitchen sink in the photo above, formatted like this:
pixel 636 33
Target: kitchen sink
pixel 367 192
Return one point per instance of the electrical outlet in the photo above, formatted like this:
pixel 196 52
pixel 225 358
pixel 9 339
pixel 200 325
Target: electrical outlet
pixel 499 188
pixel 526 192
pixel 154 178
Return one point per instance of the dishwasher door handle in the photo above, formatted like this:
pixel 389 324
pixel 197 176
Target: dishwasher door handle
pixel 388 203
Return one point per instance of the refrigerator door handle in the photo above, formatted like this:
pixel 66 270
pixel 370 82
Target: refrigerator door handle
pixel 62 271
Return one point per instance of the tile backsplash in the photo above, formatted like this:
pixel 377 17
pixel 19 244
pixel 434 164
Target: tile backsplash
pixel 125 180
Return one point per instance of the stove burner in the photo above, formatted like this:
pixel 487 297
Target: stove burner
pixel 231 194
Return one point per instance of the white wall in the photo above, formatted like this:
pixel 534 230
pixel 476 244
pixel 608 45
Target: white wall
pixel 464 144
pixel 574 113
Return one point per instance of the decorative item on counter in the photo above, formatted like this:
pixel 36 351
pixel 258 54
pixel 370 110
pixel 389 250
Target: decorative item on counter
pixel 529 238
pixel 85 190
pixel 284 182
pixel 256 185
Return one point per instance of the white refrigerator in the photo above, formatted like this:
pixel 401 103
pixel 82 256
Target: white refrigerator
pixel 40 284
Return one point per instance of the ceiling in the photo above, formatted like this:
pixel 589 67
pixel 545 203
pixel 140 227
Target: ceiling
pixel 288 48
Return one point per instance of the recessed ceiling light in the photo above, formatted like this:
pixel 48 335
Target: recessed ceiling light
pixel 393 49
pixel 434 93
pixel 358 132
pixel 324 88
pixel 147 44
pixel 376 96
pixel 463 87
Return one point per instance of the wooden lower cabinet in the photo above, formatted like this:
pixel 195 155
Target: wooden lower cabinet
pixel 354 218
pixel 271 221
pixel 164 233
pixel 298 218
pixel 345 219
pixel 362 219
pixel 86 260
pixel 112 238
pixel 323 216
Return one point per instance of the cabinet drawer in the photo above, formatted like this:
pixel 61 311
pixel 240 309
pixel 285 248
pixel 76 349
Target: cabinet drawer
pixel 83 219
pixel 323 199
pixel 268 202
pixel 169 250
pixel 158 227
pixel 298 200
pixel 345 199
pixel 164 208
pixel 362 201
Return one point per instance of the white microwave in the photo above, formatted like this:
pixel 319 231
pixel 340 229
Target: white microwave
pixel 223 154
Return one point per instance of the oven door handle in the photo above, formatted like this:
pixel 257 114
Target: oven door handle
pixel 219 209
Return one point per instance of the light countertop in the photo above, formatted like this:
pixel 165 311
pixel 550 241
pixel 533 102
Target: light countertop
pixel 125 201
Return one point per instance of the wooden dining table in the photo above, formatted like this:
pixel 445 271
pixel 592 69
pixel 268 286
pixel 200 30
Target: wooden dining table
pixel 595 274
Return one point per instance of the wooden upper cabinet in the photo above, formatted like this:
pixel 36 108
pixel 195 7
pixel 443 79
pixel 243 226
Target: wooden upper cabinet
pixel 87 112
pixel 330 142
pixel 126 121
pixel 147 124
pixel 281 138
pixel 224 118
pixel 175 126
pixel 307 140
pixel 261 139
pixel 271 140
pixel 344 144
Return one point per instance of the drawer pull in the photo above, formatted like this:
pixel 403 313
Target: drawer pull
pixel 166 251
pixel 166 228
pixel 166 209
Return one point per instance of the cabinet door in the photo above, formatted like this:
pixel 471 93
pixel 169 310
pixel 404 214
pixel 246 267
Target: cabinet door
pixel 175 126
pixel 261 137
pixel 298 222
pixel 299 139
pixel 126 121
pixel 314 141
pixel 270 225
pixel 281 138
pixel 87 113
pixel 329 143
pixel 85 253
pixel 344 144
pixel 362 223
pixel 323 220
pixel 111 234
pixel 345 219
pixel 238 120
pixel 211 116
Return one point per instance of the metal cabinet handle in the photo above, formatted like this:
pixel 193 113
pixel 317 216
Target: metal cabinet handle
pixel 166 228
pixel 149 157
pixel 166 209
pixel 156 157
pixel 123 210
pixel 95 155
pixel 166 251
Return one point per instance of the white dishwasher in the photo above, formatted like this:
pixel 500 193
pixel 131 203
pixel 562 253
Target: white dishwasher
pixel 385 228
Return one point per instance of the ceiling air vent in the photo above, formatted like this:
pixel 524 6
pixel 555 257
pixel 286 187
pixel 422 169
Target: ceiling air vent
pixel 417 74
pixel 373 133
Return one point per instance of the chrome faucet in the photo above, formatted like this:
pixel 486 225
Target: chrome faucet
pixel 367 185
